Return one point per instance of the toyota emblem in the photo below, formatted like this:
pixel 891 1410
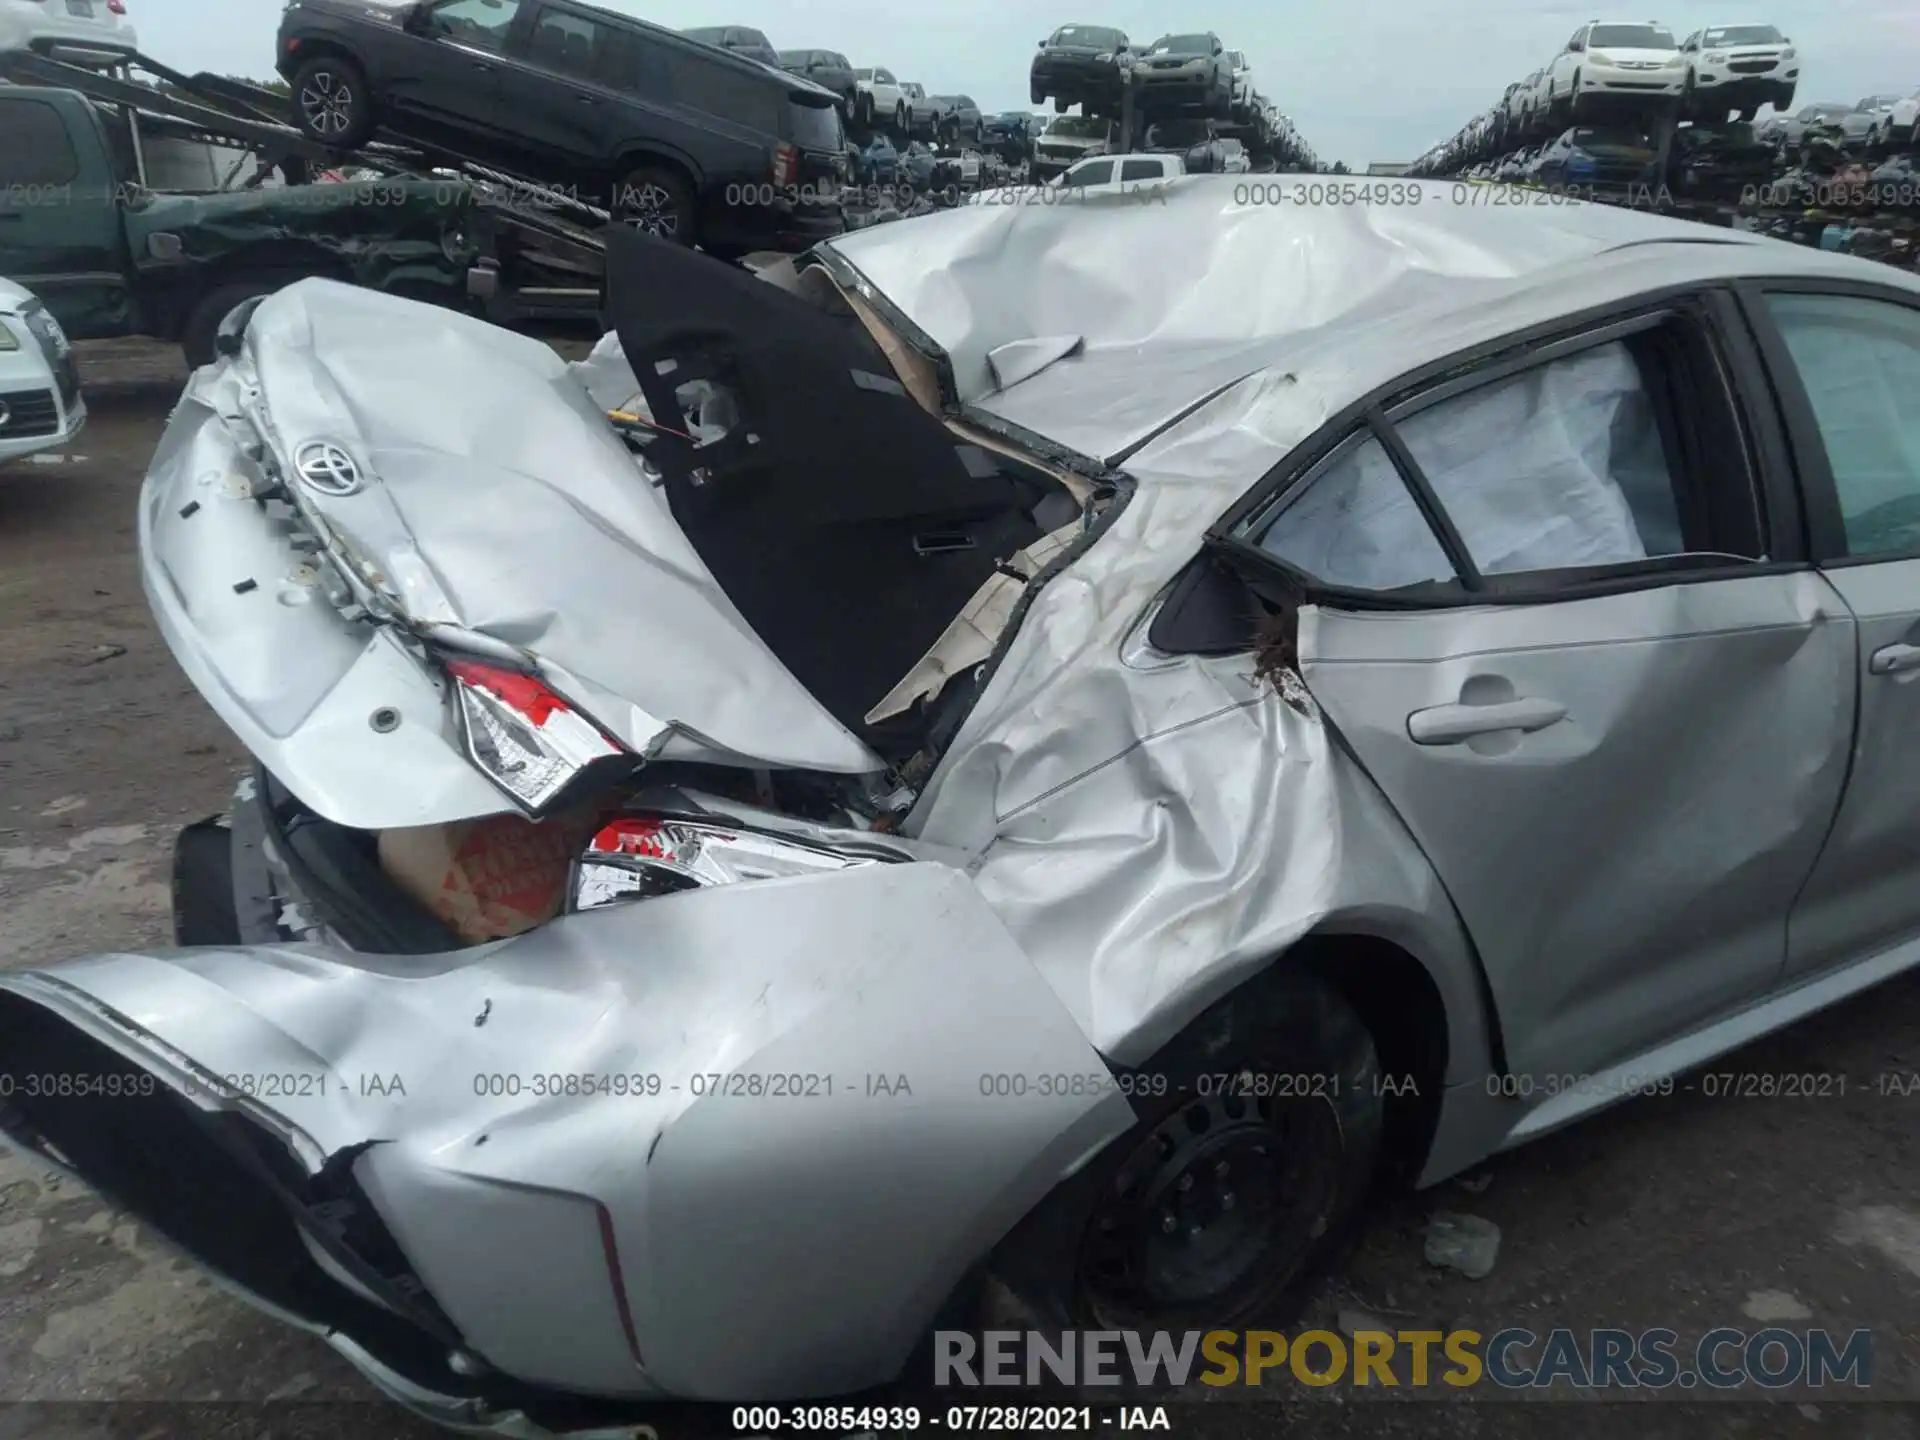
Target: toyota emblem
pixel 327 468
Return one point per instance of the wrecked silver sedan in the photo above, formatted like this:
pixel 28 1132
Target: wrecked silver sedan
pixel 953 759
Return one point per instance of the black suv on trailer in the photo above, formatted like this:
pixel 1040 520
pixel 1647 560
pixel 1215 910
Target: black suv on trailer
pixel 681 139
pixel 1079 64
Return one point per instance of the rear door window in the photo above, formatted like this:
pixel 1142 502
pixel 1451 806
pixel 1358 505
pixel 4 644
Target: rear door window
pixel 571 44
pixel 1141 170
pixel 1094 172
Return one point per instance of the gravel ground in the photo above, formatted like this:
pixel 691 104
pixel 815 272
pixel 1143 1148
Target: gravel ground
pixel 1685 1212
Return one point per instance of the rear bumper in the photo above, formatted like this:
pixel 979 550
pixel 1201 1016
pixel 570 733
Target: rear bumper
pixel 414 1192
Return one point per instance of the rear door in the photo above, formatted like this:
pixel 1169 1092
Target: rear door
pixel 1846 362
pixel 559 81
pixel 446 68
pixel 1560 618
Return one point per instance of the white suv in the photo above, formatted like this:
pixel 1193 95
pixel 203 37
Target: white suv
pixel 1630 59
pixel 876 96
pixel 86 32
pixel 1738 67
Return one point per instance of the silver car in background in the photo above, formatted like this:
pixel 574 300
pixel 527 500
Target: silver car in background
pixel 1063 751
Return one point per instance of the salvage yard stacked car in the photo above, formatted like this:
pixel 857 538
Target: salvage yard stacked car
pixel 1738 67
pixel 1270 749
pixel 1079 65
pixel 665 131
pixel 41 407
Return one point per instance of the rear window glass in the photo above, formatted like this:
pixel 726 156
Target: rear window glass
pixel 815 127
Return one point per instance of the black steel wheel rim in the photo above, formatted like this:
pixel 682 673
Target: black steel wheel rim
pixel 1217 1205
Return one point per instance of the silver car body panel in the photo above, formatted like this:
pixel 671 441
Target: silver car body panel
pixel 1144 830
pixel 769 1245
pixel 494 499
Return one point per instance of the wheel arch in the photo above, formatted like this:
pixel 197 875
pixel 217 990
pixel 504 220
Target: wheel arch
pixel 326 47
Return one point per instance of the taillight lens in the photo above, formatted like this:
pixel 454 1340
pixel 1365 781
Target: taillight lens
pixel 116 7
pixel 525 738
pixel 638 856
pixel 786 164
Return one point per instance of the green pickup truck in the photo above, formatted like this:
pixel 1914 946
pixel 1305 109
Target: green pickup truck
pixel 110 257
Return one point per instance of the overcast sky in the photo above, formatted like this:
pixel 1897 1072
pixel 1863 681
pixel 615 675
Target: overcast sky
pixel 1364 80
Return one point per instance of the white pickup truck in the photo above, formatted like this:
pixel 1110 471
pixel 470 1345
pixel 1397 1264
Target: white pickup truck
pixel 1147 168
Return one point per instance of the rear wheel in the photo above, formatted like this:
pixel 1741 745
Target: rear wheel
pixel 1059 104
pixel 1235 1188
pixel 331 102
pixel 863 110
pixel 201 331
pixel 657 202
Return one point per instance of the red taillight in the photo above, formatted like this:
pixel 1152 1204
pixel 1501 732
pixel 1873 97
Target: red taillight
pixel 117 7
pixel 633 835
pixel 524 693
pixel 523 737
pixel 786 164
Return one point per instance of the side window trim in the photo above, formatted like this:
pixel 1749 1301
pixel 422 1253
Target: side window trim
pixel 1424 496
pixel 1491 362
pixel 1819 494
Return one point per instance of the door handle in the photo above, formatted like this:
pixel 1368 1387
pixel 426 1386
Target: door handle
pixel 483 67
pixel 586 100
pixel 1894 660
pixel 1451 724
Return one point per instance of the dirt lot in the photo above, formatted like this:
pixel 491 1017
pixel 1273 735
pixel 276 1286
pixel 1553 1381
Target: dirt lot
pixel 1689 1212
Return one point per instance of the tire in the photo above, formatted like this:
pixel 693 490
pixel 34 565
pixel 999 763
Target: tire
pixel 902 120
pixel 1267 1136
pixel 331 102
pixel 658 201
pixel 203 908
pixel 201 329
pixel 1747 112
pixel 1059 104
pixel 863 110
pixel 1035 95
